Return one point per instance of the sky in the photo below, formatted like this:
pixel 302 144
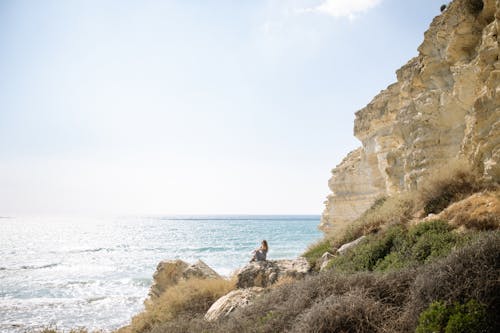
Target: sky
pixel 189 106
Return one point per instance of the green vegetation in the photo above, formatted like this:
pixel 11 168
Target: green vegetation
pixel 397 247
pixel 386 211
pixel 459 318
pixel 315 251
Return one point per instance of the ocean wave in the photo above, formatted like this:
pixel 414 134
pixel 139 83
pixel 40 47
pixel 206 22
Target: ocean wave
pixel 97 249
pixel 96 299
pixel 142 282
pixel 209 249
pixel 37 267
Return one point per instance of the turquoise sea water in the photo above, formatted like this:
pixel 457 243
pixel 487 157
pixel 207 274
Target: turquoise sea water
pixel 96 273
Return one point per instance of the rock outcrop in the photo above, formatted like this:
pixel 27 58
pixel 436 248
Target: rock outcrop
pixel 347 246
pixel 445 104
pixel 266 273
pixel 324 260
pixel 170 272
pixel 228 303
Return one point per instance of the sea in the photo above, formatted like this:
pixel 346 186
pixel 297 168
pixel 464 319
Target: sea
pixel 95 273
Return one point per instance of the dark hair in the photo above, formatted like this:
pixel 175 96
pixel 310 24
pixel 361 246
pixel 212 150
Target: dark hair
pixel 264 245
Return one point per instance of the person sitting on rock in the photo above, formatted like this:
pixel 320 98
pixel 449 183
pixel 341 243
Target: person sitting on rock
pixel 261 252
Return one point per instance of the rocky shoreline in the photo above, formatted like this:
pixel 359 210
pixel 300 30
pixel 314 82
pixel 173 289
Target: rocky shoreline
pixel 250 281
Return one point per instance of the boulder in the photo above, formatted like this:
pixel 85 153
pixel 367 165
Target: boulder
pixel 324 260
pixel 266 273
pixel 228 303
pixel 347 246
pixel 200 270
pixel 170 272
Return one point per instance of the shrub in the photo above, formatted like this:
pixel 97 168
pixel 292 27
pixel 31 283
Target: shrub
pixel 315 251
pixel 366 255
pixel 434 319
pixel 396 248
pixel 187 298
pixel 448 184
pixel 355 311
pixel 428 240
pixel 459 318
pixel 471 272
pixel 386 211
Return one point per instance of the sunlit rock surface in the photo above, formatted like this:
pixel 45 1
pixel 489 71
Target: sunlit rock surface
pixel 170 272
pixel 266 273
pixel 445 104
pixel 238 298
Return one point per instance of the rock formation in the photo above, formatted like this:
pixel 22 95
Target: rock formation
pixel 445 104
pixel 238 298
pixel 170 272
pixel 266 273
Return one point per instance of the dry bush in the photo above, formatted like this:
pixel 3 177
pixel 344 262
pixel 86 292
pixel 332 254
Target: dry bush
pixel 187 298
pixel 185 324
pixel 453 182
pixel 355 311
pixel 480 211
pixel 285 279
pixel 286 308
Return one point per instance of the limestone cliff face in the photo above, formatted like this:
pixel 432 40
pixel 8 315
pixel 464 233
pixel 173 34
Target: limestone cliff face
pixel 445 104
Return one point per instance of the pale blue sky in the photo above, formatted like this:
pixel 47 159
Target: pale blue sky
pixel 189 107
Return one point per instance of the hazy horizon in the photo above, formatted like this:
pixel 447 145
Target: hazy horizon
pixel 189 108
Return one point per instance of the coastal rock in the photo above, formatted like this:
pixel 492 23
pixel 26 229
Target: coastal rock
pixel 347 246
pixel 228 303
pixel 167 274
pixel 265 273
pixel 170 272
pixel 324 260
pixel 200 270
pixel 445 104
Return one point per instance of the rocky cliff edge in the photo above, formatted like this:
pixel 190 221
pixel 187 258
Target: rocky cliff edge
pixel 444 105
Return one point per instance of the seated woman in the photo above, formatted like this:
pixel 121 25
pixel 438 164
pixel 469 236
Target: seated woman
pixel 261 252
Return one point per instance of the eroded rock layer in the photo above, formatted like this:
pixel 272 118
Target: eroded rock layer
pixel 445 104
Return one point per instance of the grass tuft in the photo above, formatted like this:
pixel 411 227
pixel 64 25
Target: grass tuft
pixel 453 182
pixel 186 299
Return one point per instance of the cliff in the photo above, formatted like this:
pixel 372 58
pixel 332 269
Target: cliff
pixel 445 104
